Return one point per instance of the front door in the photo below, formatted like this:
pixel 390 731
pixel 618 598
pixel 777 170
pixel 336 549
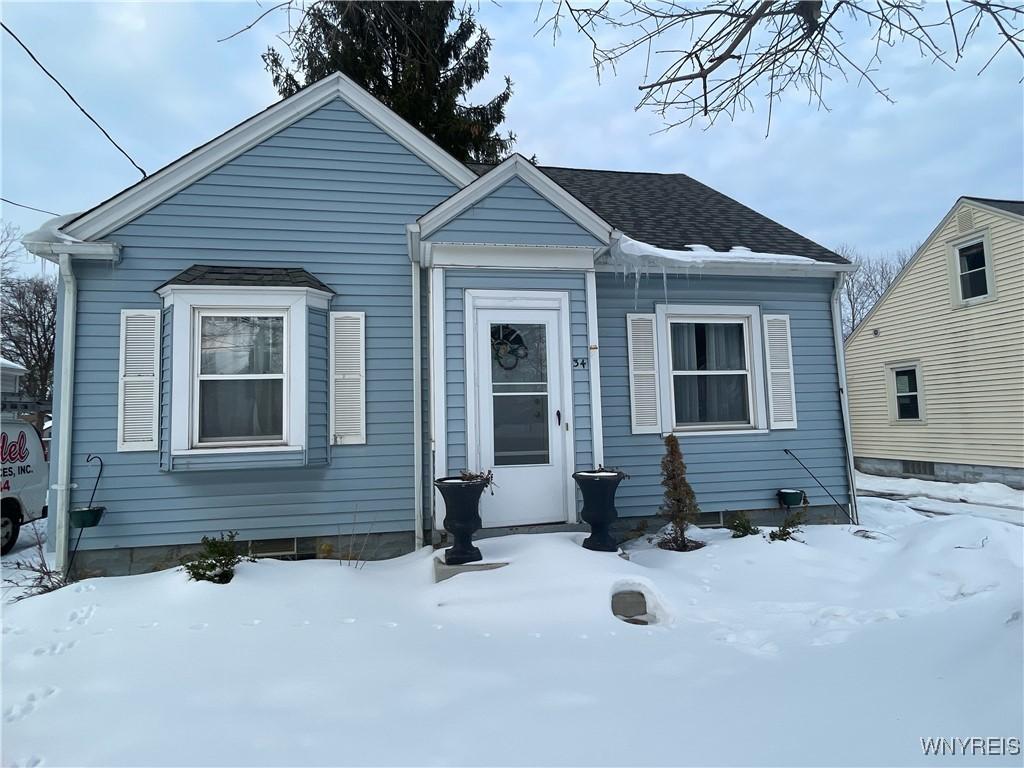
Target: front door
pixel 522 425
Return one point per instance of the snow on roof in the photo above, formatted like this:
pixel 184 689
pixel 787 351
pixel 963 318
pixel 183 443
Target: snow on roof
pixel 11 366
pixel 634 253
pixel 49 231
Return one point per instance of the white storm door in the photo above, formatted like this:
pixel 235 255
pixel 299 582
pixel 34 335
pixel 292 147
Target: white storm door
pixel 522 415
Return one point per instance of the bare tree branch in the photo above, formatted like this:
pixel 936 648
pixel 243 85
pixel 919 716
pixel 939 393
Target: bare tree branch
pixel 718 57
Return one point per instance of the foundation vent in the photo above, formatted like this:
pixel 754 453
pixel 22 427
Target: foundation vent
pixel 919 468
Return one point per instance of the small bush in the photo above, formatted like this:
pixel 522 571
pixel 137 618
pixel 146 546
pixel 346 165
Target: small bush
pixel 790 526
pixel 33 575
pixel 741 526
pixel 680 506
pixel 217 560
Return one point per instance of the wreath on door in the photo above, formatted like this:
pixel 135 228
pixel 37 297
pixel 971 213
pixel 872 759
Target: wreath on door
pixel 508 346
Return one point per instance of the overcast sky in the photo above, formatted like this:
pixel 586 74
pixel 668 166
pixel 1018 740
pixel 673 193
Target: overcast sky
pixel 874 175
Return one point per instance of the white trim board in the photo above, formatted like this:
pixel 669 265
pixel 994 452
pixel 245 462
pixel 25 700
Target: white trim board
pixel 515 166
pixel 139 198
pixel 498 256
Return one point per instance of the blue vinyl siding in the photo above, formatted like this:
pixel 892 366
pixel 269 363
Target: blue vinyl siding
pixel 332 193
pixel 457 281
pixel 514 213
pixel 728 472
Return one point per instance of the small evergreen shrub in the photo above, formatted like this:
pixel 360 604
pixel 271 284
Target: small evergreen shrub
pixel 790 526
pixel 680 505
pixel 741 526
pixel 217 560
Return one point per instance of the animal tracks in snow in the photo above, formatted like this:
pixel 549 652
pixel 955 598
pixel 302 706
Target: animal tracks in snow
pixel 54 649
pixel 29 704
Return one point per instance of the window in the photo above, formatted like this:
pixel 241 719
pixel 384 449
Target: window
pixel 701 369
pixel 710 369
pixel 906 399
pixel 240 378
pixel 972 270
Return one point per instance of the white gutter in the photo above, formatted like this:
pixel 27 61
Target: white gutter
pixel 837 333
pixel 67 371
pixel 413 239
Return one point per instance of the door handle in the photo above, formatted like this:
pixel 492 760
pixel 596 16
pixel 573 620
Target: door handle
pixel 558 418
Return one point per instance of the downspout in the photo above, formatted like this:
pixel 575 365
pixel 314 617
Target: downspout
pixel 837 333
pixel 67 372
pixel 417 386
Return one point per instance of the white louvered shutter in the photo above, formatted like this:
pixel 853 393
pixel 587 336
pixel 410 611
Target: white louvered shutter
pixel 348 378
pixel 138 396
pixel 781 383
pixel 645 414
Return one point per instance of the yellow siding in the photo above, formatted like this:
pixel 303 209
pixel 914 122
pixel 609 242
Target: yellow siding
pixel 971 358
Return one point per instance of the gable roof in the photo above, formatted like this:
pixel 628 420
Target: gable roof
pixel 1008 206
pixel 275 277
pixel 921 250
pixel 140 197
pixel 515 166
pixel 673 210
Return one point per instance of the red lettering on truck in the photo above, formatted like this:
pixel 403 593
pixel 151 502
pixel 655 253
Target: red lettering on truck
pixel 13 452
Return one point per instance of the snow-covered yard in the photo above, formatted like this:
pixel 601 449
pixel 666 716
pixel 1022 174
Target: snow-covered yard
pixel 841 650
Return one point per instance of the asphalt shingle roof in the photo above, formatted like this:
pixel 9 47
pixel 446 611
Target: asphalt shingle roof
pixel 673 210
pixel 276 277
pixel 1010 206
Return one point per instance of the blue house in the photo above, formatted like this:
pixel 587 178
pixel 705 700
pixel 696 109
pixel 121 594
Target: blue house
pixel 291 330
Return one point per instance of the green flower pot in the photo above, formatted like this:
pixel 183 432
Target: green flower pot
pixel 86 517
pixel 790 498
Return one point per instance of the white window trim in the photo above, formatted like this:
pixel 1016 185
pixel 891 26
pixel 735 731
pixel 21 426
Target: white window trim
pixel 750 316
pixel 890 391
pixel 186 300
pixel 954 249
pixel 198 314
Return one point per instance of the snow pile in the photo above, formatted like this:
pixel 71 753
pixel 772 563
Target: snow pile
pixel 992 500
pixel 840 650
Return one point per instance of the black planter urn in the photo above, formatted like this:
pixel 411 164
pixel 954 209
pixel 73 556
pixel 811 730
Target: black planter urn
pixel 598 487
pixel 461 517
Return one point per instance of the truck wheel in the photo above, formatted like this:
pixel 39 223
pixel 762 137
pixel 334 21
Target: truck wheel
pixel 9 527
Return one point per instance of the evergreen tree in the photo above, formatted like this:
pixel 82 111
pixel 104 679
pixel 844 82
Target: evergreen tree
pixel 680 505
pixel 418 58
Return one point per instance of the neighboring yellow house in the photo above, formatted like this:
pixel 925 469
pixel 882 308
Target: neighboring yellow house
pixel 935 371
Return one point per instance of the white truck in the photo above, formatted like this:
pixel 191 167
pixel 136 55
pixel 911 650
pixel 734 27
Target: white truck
pixel 24 478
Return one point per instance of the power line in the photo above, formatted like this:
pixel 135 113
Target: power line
pixel 31 208
pixel 73 100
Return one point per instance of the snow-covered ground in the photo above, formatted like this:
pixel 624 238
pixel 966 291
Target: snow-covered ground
pixel 841 650
pixel 992 500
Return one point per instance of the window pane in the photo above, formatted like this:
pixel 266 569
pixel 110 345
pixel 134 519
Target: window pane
pixel 973 284
pixel 972 257
pixel 520 429
pixel 906 407
pixel 241 345
pixel 711 399
pixel 708 347
pixel 906 381
pixel 239 410
pixel 518 356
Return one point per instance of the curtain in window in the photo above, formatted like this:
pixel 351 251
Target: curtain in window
pixel 709 398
